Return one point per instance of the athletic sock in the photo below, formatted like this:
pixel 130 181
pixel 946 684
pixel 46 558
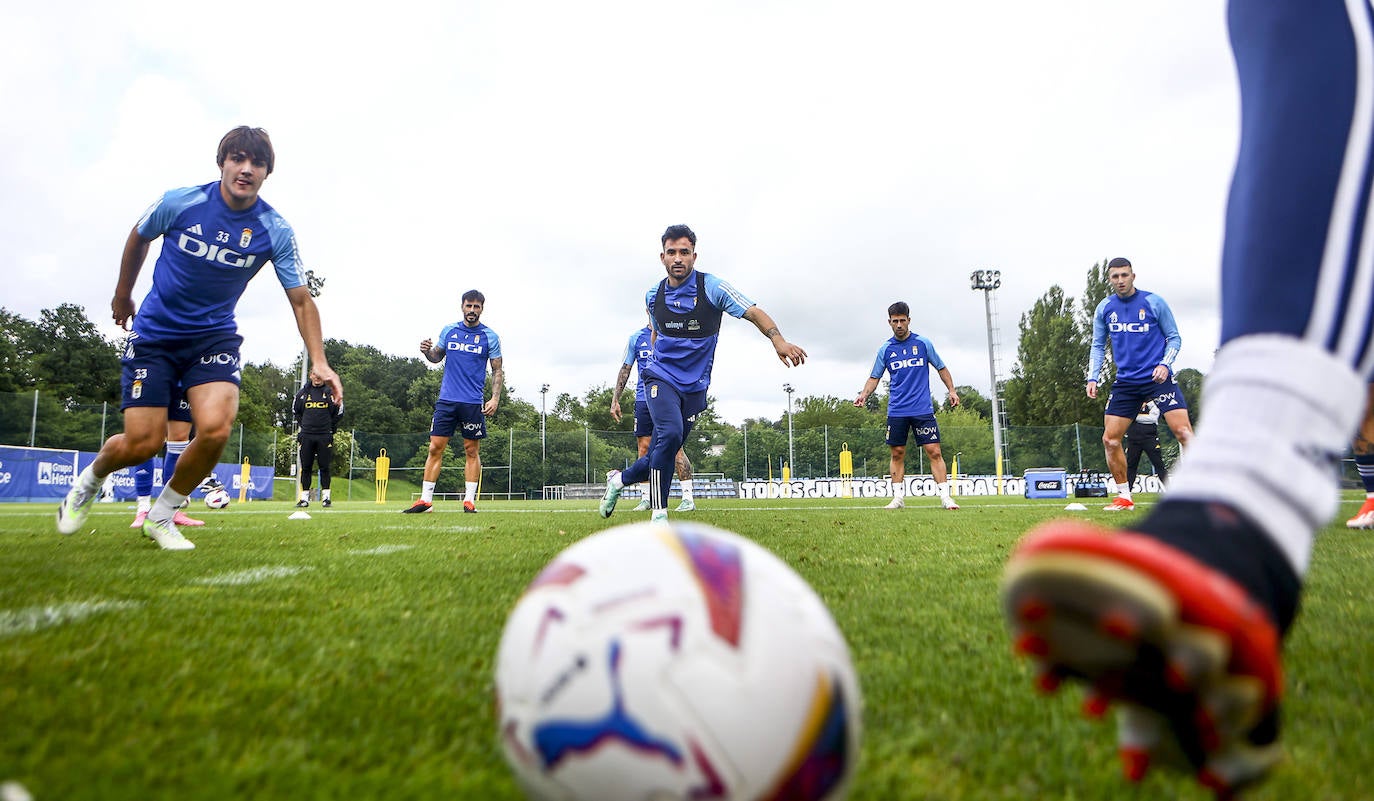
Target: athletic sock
pixel 1364 465
pixel 470 491
pixel 169 464
pixel 427 491
pixel 1307 403
pixel 166 505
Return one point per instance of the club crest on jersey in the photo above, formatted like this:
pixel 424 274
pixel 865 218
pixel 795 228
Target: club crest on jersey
pixel 1142 313
pixel 246 238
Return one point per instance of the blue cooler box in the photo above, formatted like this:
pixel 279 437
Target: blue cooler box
pixel 1046 482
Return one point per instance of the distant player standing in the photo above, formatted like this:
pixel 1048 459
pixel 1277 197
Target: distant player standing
pixel 637 353
pixel 1145 342
pixel 216 237
pixel 465 347
pixel 686 309
pixel 907 358
pixel 317 414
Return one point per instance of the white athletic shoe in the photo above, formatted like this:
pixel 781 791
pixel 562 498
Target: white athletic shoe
pixel 166 535
pixel 607 506
pixel 687 505
pixel 896 503
pixel 643 505
pixel 949 503
pixel 659 516
pixel 72 513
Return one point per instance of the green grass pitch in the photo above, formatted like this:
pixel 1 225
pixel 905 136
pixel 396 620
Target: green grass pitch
pixel 350 655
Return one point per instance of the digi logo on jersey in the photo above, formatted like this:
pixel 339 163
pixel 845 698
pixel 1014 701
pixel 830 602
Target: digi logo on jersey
pixel 1116 326
pixel 466 347
pixel 214 253
pixel 898 364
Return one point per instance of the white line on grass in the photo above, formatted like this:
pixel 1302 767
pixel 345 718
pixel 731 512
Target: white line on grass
pixel 252 575
pixel 35 618
pixel 382 550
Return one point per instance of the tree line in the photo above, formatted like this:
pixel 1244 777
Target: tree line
pixel 390 401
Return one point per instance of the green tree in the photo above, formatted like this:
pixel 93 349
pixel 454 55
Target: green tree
pixel 72 359
pixel 16 352
pixel 1046 387
pixel 972 400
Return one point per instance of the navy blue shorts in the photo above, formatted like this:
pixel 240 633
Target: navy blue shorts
pixel 1126 399
pixel 644 422
pixel 450 416
pixel 158 373
pixel 924 428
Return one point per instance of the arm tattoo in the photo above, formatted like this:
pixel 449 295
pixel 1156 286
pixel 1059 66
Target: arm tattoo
pixel 772 332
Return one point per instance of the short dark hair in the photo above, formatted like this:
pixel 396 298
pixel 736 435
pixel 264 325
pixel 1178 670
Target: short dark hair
pixel 253 141
pixel 678 232
pixel 899 308
pixel 1118 262
pixel 473 294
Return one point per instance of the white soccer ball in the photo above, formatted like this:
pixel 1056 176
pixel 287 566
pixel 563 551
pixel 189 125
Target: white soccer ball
pixel 217 498
pixel 675 661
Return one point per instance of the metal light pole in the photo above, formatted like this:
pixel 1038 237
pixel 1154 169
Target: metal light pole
pixel 543 446
pixel 987 281
pixel 791 460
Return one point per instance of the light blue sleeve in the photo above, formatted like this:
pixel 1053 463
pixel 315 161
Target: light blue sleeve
pixel 285 255
pixel 725 297
pixel 1173 341
pixel 493 344
pixel 1098 353
pixel 630 350
pixel 649 298
pixel 159 217
pixel 879 363
pixel 932 357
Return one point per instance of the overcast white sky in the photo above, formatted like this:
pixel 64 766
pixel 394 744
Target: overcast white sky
pixel 832 157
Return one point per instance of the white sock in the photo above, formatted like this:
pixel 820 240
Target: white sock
pixel 167 503
pixel 88 480
pixel 427 491
pixel 898 488
pixel 1279 413
pixel 470 491
pixel 943 489
pixel 324 494
pixel 305 495
pixel 686 488
pixel 615 480
pixel 145 502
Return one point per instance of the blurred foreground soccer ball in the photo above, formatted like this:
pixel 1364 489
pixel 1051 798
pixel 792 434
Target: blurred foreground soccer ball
pixel 217 498
pixel 675 660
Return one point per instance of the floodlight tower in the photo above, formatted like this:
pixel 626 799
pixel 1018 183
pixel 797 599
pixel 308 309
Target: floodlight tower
pixel 791 460
pixel 988 281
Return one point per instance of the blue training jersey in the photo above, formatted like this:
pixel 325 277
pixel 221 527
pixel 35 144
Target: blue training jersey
pixel 1143 334
pixel 908 363
pixel 637 352
pixel 686 362
pixel 209 254
pixel 466 352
